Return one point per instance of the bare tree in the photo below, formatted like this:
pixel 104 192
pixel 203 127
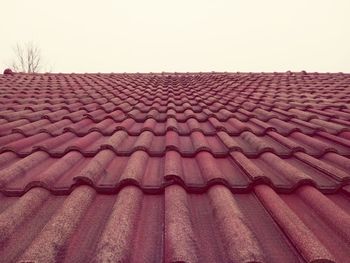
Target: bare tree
pixel 27 58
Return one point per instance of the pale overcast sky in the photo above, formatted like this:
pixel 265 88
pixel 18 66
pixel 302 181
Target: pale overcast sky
pixel 160 35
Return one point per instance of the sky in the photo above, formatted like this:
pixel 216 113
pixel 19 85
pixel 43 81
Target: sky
pixel 182 35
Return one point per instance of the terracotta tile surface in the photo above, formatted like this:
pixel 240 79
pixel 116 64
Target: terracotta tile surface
pixel 175 167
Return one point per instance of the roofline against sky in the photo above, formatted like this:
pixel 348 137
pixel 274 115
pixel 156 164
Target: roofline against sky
pixel 177 73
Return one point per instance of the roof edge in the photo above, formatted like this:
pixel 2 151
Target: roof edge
pixel 9 71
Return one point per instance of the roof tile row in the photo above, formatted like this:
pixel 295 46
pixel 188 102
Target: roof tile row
pixel 108 172
pixel 219 145
pixel 99 113
pixel 216 226
pixel 232 126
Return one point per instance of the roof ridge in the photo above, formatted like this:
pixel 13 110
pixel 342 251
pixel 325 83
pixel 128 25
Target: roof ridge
pixel 175 73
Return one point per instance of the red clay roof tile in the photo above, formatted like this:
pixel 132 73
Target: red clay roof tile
pixel 193 167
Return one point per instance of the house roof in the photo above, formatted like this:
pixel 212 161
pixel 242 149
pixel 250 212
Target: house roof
pixel 193 167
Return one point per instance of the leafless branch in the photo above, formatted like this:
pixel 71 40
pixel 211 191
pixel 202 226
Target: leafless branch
pixel 27 58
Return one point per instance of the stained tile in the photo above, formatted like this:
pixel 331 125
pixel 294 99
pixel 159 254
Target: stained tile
pixel 175 167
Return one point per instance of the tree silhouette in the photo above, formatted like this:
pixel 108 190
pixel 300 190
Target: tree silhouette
pixel 27 58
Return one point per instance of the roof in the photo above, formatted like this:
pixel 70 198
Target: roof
pixel 193 167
